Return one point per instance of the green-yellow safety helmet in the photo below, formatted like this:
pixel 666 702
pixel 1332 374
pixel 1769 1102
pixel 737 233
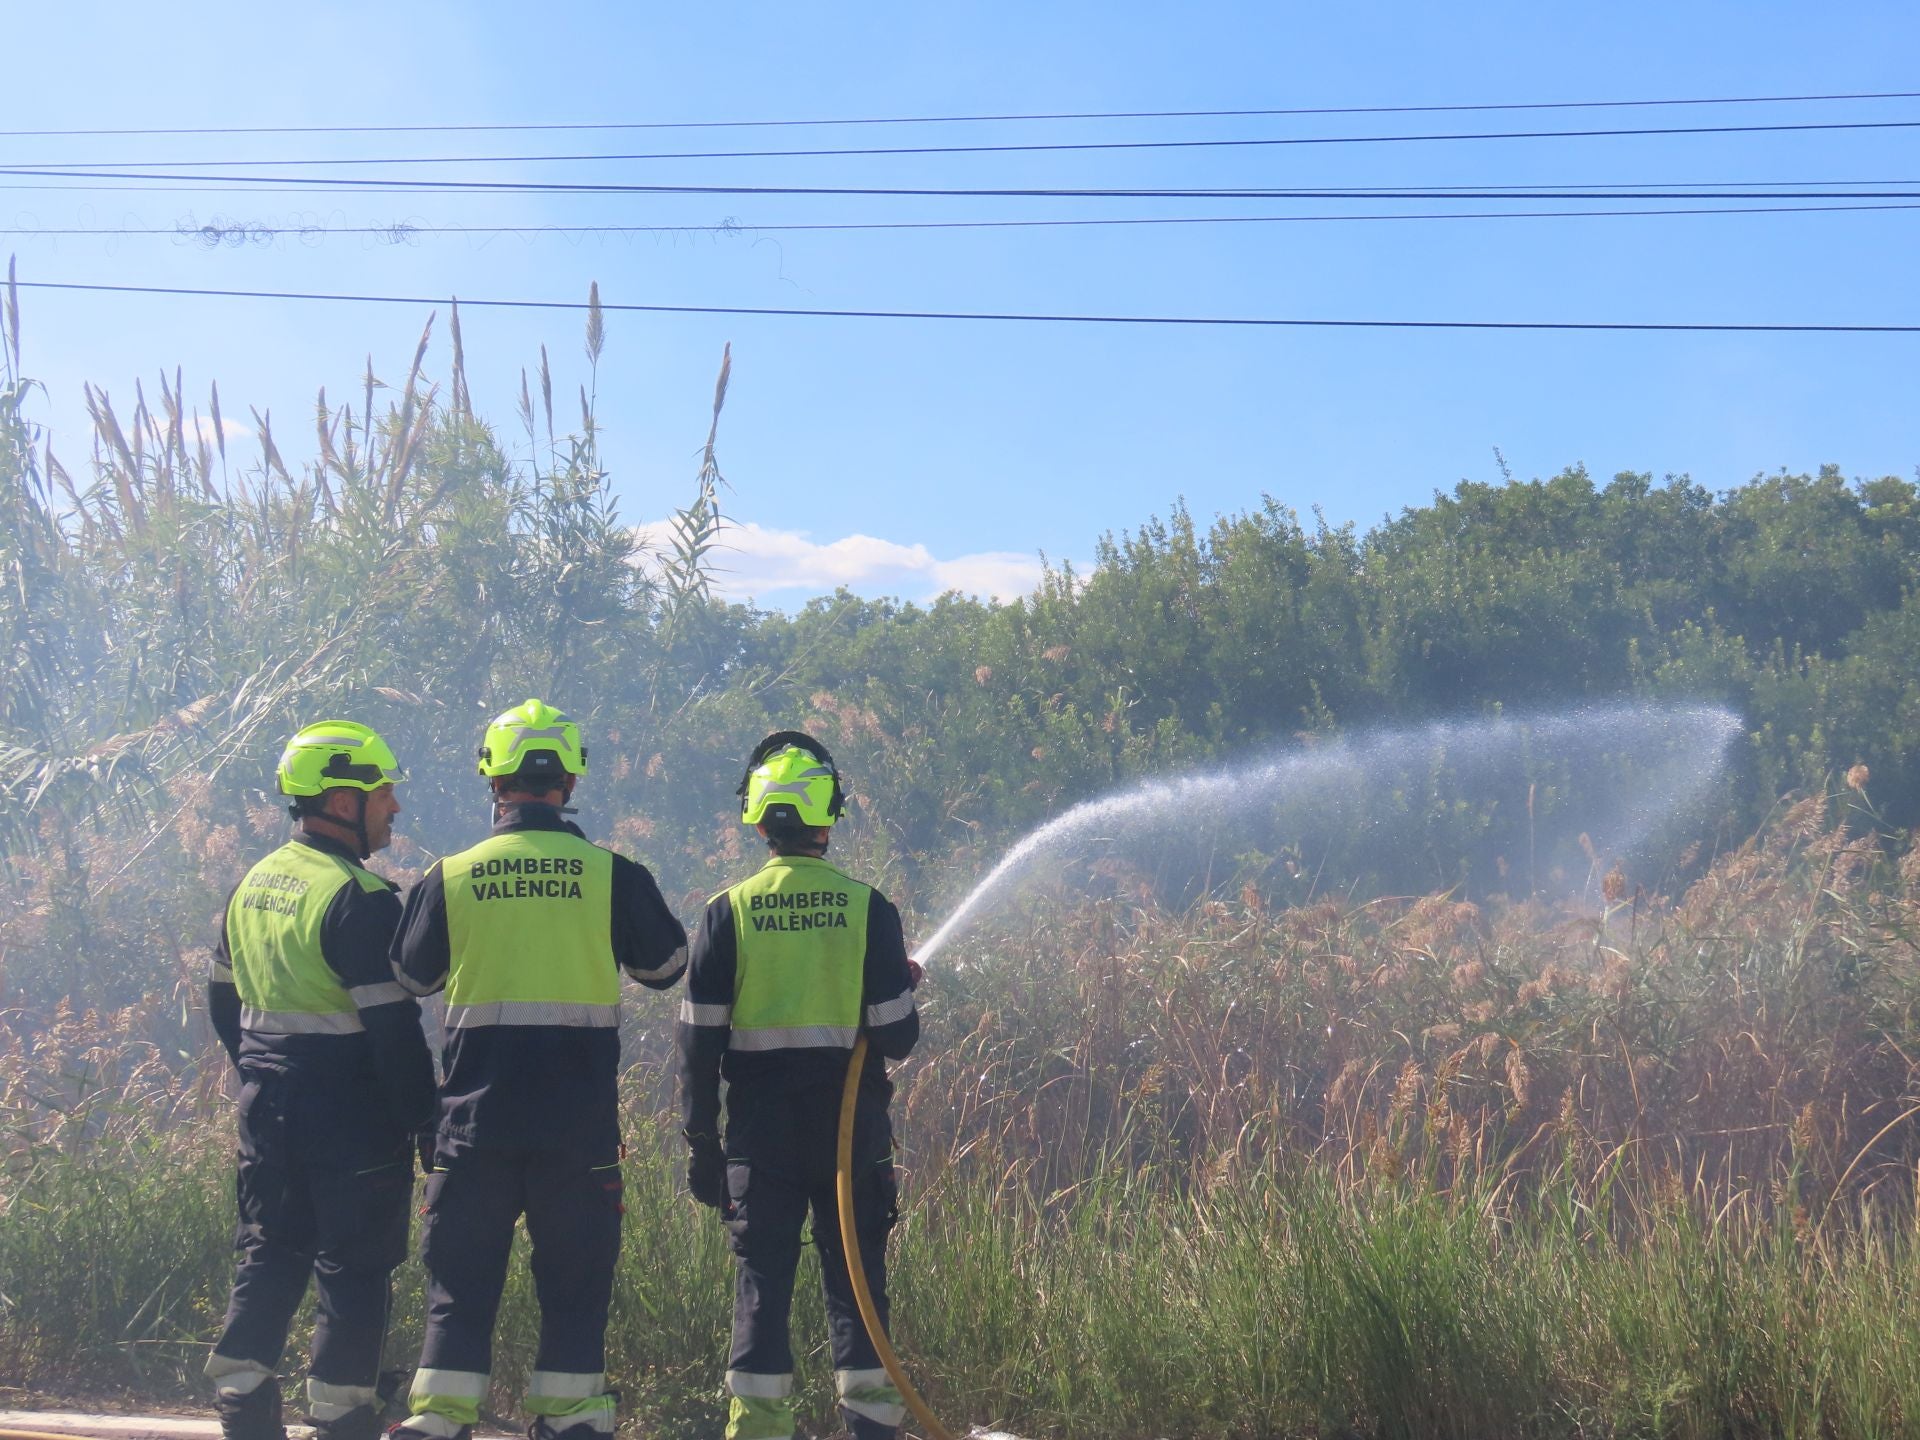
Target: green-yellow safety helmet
pixel 336 755
pixel 534 741
pixel 791 775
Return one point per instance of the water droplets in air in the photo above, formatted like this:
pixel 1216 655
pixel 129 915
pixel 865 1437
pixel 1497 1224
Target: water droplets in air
pixel 1519 803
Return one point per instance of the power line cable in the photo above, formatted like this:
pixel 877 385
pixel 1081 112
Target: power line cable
pixel 972 119
pixel 1020 149
pixel 216 234
pixel 328 184
pixel 1001 316
pixel 1556 190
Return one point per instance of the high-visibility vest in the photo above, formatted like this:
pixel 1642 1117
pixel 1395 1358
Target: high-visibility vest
pixel 273 940
pixel 530 932
pixel 800 946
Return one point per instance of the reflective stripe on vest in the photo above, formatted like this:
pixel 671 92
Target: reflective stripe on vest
pixel 296 1022
pixel 530 932
pixel 534 1012
pixel 800 945
pixel 273 935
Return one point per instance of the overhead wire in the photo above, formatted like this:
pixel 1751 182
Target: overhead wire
pixel 217 233
pixel 1548 189
pixel 1275 322
pixel 1245 113
pixel 87 175
pixel 331 185
pixel 1242 142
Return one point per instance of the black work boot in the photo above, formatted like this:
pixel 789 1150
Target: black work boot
pixel 252 1416
pixel 543 1429
pixel 392 1386
pixel 363 1422
pixel 548 1427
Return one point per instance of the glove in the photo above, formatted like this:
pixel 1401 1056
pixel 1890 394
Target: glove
pixel 915 974
pixel 707 1172
pixel 424 1142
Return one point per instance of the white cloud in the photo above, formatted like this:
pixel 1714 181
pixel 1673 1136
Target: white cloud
pixel 772 566
pixel 202 425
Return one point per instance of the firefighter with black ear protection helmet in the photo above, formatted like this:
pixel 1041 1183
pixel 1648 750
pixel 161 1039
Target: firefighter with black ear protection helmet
pixel 786 970
pixel 335 1075
pixel 527 933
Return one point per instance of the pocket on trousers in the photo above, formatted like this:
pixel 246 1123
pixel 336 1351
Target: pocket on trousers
pixel 262 1121
pixel 877 1208
pixel 363 1215
pixel 611 1185
pixel 739 1186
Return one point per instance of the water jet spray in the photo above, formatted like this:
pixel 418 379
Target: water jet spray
pixel 1674 752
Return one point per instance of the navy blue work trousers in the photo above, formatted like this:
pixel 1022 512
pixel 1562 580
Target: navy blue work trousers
pixel 323 1190
pixel 781 1148
pixel 572 1200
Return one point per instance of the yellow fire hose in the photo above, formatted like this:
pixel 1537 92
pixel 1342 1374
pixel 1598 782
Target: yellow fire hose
pixel 850 1242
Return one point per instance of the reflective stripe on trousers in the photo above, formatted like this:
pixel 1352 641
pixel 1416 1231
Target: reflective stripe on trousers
pixel 331 1402
pixel 761 1407
pixel 568 1398
pixel 233 1376
pixel 444 1402
pixel 871 1394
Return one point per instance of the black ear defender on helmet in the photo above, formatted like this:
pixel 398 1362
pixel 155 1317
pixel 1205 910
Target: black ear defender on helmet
pixel 781 740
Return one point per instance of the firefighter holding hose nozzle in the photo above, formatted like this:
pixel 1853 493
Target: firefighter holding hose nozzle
pixel 787 969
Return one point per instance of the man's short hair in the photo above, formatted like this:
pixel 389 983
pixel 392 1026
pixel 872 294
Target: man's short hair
pixel 787 831
pixel 540 771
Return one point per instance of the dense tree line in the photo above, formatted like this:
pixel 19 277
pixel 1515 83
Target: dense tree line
pixel 170 610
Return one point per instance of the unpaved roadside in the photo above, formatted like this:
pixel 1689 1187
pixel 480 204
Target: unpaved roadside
pixel 100 1426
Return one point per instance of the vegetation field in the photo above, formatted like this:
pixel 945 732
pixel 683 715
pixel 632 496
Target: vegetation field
pixel 1458 1125
pixel 1389 1168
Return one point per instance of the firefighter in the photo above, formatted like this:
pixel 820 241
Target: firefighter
pixel 335 1075
pixel 527 933
pixel 786 969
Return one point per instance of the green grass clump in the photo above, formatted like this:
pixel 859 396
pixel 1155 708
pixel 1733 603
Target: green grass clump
pixel 1281 1303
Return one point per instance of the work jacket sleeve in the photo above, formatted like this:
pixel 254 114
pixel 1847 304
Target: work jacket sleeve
pixel 648 941
pixel 356 934
pixel 890 1018
pixel 706 1020
pixel 223 999
pixel 421 954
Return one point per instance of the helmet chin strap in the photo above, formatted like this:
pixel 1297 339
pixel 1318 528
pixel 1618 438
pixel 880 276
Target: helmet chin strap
pixel 360 826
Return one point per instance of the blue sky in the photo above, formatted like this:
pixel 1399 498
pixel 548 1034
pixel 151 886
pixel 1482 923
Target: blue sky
pixel 905 457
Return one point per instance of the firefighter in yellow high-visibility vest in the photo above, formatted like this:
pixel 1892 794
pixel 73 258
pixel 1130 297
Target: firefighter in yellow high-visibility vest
pixel 528 933
pixel 335 1075
pixel 786 970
